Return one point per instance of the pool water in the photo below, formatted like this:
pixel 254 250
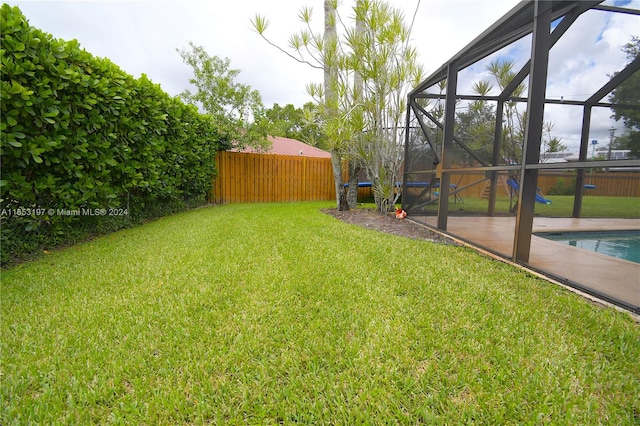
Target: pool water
pixel 620 244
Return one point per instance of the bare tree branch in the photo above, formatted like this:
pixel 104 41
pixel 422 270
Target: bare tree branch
pixel 299 60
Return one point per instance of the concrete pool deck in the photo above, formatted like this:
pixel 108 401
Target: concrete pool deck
pixel 611 276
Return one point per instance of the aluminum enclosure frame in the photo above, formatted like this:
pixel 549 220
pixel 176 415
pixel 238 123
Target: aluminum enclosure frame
pixel 533 18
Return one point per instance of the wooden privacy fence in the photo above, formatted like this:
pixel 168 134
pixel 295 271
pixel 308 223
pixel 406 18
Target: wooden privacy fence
pixel 610 184
pixel 251 178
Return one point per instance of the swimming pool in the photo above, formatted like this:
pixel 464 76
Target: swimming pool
pixel 620 244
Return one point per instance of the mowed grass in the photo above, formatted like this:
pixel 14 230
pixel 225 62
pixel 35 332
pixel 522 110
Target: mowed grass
pixel 561 206
pixel 278 313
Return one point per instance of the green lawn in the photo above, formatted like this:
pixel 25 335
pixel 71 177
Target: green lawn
pixel 277 313
pixel 561 206
pixel 619 207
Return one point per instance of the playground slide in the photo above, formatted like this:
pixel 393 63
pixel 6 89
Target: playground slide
pixel 539 198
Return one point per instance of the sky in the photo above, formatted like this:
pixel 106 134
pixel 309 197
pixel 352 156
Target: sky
pixel 143 37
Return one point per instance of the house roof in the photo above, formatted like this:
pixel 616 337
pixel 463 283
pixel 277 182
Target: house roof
pixel 286 146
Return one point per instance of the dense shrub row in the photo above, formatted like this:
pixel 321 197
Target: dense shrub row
pixel 79 135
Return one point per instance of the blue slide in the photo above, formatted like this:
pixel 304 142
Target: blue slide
pixel 539 198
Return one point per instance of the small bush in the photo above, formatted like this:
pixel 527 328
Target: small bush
pixel 561 187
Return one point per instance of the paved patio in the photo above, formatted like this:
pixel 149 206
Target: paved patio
pixel 614 277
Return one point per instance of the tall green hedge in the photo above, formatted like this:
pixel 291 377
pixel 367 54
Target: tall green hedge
pixel 81 135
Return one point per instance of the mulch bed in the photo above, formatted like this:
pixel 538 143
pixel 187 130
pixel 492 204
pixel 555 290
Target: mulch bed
pixel 369 218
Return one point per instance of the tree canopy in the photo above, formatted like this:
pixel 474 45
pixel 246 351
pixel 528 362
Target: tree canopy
pixel 369 68
pixel 234 106
pixel 295 123
pixel 629 93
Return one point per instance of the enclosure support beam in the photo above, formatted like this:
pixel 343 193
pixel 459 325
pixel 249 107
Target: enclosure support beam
pixel 533 131
pixel 557 33
pixel 406 146
pixel 418 110
pixel 495 159
pixel 447 144
pixel 455 139
pixel 584 145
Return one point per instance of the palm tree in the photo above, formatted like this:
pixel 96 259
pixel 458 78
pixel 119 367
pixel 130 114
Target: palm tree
pixel 513 131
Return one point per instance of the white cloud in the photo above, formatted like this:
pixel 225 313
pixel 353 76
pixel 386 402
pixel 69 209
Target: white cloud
pixel 142 37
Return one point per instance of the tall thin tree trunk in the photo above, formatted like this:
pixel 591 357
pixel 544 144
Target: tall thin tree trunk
pixel 329 79
pixel 341 196
pixel 352 194
pixel 358 88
